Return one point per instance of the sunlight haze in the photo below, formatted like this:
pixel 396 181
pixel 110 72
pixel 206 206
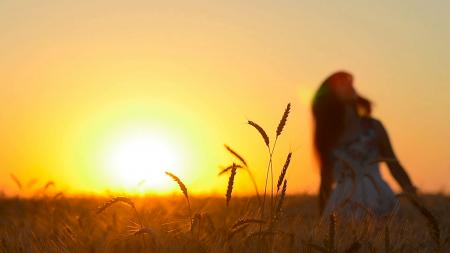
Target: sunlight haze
pixel 89 87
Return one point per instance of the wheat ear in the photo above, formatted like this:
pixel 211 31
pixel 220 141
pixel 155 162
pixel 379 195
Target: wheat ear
pixel 230 184
pixel 114 200
pixel 182 187
pixel 235 154
pixel 283 171
pixel 16 181
pixel 261 131
pixel 283 120
pixel 226 169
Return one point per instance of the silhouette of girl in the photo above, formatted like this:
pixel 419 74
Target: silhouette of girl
pixel 349 144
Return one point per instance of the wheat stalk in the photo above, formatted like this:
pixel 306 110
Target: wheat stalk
pixel 230 184
pixel 48 184
pixel 125 200
pixel 281 200
pixel 228 168
pixel 235 154
pixel 16 181
pixel 114 200
pixel 242 222
pixel 182 187
pixel 240 158
pixel 250 174
pixel 270 164
pixel 283 171
pixel 283 120
pixel 261 131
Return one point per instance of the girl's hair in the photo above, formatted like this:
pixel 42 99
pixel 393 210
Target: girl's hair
pixel 328 112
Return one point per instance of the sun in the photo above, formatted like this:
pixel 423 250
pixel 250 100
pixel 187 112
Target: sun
pixel 138 160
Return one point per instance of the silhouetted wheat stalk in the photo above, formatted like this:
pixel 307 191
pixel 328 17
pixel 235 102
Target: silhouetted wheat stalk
pixel 262 132
pixel 238 166
pixel 230 184
pixel 274 207
pixel 16 181
pixel 283 120
pixel 281 200
pixel 242 222
pixel 239 157
pixel 48 185
pixel 275 204
pixel 228 168
pixel 283 171
pixel 113 201
pixel 279 130
pixel 182 188
pixel 124 200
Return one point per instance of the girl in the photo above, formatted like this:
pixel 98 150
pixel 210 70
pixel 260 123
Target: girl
pixel 350 144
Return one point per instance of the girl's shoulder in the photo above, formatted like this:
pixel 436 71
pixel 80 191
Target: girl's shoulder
pixel 371 123
pixel 374 125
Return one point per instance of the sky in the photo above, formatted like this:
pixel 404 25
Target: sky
pixel 85 84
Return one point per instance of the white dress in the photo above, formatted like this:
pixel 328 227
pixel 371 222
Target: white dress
pixel 359 190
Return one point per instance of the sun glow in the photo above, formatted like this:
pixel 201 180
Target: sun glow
pixel 138 160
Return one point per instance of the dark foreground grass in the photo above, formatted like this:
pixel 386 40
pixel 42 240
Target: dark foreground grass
pixel 157 224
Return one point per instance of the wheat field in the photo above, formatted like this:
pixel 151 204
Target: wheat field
pixel 153 224
pixel 270 221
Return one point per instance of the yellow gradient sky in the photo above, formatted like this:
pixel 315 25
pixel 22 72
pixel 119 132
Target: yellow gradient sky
pixel 81 81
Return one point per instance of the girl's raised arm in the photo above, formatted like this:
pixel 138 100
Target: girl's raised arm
pixel 395 168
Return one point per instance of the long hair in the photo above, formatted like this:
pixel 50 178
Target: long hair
pixel 328 112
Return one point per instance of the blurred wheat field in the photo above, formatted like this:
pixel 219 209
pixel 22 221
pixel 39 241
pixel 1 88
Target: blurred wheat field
pixel 50 224
pixel 271 222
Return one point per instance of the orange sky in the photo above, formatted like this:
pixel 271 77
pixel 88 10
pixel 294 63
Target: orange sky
pixel 77 77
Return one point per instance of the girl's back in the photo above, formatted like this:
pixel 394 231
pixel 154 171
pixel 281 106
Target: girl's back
pixel 359 189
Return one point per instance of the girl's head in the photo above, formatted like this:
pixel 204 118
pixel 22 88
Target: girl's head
pixel 333 98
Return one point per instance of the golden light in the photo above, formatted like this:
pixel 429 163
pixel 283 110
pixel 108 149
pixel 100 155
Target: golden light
pixel 137 161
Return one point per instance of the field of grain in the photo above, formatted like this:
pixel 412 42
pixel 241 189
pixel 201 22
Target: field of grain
pixel 269 221
pixel 151 224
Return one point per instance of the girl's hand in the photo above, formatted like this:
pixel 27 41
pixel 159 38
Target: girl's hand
pixel 411 189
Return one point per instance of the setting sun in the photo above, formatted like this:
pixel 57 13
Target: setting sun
pixel 139 159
